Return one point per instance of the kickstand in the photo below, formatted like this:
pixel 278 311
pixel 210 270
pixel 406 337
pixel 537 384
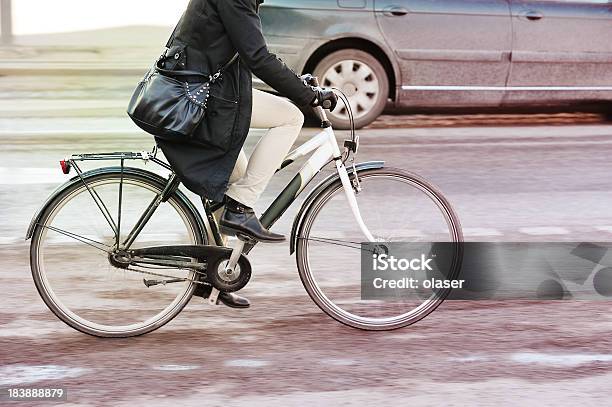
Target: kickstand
pixel 214 295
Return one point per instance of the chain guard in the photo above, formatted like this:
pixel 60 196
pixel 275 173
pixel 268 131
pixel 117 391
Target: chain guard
pixel 213 256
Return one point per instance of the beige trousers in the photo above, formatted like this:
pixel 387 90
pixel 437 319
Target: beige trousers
pixel 284 121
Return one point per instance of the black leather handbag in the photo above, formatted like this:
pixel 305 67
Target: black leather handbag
pixel 167 105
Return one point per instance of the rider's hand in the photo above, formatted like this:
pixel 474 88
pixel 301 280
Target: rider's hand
pixel 326 98
pixel 308 79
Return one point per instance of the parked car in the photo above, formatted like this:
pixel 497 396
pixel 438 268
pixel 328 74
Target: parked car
pixel 446 53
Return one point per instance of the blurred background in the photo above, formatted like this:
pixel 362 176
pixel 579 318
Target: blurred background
pixel 519 173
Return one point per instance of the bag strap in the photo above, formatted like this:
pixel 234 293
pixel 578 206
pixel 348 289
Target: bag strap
pixel 168 72
pixel 212 78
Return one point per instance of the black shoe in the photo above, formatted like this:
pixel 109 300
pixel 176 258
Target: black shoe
pixel 233 300
pixel 229 299
pixel 239 219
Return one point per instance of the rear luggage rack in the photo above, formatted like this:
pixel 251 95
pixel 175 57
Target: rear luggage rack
pixel 120 155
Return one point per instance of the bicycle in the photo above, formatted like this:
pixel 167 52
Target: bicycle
pixel 88 264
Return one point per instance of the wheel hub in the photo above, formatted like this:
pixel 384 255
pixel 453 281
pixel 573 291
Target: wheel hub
pixel 120 259
pixel 349 88
pixel 227 274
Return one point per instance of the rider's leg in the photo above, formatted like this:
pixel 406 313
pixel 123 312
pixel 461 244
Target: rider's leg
pixel 237 173
pixel 284 121
pixel 232 300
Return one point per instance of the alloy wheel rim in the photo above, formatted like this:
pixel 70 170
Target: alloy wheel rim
pixel 360 84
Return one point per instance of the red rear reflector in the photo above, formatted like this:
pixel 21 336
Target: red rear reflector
pixel 65 167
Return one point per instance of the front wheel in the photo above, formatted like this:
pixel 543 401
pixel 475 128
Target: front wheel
pixel 397 207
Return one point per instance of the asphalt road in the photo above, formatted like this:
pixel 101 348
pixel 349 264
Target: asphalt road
pixel 510 183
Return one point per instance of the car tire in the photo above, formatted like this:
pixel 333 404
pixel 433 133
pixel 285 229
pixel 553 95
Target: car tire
pixel 362 78
pixel 608 114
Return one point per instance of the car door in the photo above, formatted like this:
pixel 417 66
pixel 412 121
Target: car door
pixel 451 52
pixel 562 49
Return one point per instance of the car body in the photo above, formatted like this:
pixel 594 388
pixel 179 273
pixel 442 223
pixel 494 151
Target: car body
pixel 447 53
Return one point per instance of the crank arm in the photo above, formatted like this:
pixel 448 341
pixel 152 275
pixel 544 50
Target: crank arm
pixel 214 295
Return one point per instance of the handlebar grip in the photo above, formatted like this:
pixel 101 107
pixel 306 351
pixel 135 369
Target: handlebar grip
pixel 327 104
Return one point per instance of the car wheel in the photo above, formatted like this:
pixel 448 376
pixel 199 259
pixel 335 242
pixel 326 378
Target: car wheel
pixel 364 81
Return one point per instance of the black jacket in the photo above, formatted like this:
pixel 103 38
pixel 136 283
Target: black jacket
pixel 208 35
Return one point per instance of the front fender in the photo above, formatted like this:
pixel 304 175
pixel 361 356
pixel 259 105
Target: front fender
pixel 368 165
pixel 114 170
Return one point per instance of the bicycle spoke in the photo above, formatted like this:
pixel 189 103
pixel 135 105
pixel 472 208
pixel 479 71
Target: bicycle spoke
pixel 79 238
pixel 99 203
pixel 336 242
pixel 148 213
pixel 119 209
pixel 140 224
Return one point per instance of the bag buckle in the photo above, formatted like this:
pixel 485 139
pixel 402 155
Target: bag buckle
pixel 215 76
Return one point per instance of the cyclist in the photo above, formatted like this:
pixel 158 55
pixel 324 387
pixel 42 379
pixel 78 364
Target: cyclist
pixel 207 36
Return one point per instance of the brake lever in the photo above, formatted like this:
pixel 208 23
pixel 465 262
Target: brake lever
pixel 353 146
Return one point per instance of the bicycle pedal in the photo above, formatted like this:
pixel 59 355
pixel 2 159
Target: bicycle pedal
pixel 245 238
pixel 240 236
pixel 213 297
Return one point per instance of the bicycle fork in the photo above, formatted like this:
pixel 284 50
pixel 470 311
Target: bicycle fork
pixel 352 200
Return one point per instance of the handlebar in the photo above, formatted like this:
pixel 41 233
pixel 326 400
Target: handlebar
pixel 351 145
pixel 319 110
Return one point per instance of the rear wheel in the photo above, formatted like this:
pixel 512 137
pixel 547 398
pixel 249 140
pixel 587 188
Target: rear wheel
pixel 73 256
pixel 364 81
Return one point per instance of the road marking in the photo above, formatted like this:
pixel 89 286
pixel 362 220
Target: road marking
pixel 544 231
pixel 20 176
pixel 243 338
pixel 10 240
pixel 572 359
pixel 473 358
pixel 481 232
pixel 175 368
pixel 246 363
pixel 560 359
pixel 514 144
pixel 12 375
pixel 337 362
pixel 70 133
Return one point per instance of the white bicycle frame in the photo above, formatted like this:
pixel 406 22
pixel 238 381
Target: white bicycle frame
pixel 326 149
